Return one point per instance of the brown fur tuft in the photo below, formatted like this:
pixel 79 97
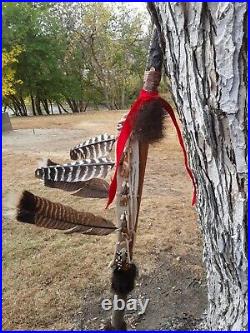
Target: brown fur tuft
pixel 149 123
pixel 27 201
pixel 26 208
pixel 123 280
pixel 25 216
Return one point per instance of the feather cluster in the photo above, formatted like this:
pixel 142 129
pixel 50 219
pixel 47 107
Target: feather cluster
pixel 95 147
pixel 85 177
pixel 44 213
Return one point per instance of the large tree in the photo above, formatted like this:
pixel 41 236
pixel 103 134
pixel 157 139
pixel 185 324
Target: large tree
pixel 205 48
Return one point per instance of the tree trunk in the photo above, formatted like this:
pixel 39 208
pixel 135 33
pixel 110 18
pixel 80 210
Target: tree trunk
pixel 73 105
pixel 18 105
pixel 123 96
pixel 51 107
pixel 33 105
pixel 205 46
pixel 38 106
pixel 61 107
pixel 45 105
pixel 83 106
pixel 23 106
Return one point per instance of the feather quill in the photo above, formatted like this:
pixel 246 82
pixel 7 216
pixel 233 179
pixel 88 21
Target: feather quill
pixel 41 212
pixel 95 147
pixel 50 162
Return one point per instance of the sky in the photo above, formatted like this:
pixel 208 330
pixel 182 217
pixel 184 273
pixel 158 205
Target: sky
pixel 141 7
pixel 138 5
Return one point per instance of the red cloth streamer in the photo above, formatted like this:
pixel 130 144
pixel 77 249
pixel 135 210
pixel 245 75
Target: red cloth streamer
pixel 144 96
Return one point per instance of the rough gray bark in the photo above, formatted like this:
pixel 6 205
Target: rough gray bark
pixel 205 57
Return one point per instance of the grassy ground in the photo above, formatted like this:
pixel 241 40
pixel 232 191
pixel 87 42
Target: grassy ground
pixel 54 281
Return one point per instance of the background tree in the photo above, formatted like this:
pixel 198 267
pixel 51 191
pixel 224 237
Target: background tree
pixel 75 54
pixel 107 48
pixel 8 71
pixel 205 46
pixel 27 24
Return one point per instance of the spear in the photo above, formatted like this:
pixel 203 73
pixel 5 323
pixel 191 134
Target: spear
pixel 143 125
pixel 129 178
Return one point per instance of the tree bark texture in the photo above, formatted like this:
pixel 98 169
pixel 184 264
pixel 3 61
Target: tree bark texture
pixel 205 58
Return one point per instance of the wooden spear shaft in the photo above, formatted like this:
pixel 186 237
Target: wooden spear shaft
pixel 143 155
pixel 117 317
pixel 154 63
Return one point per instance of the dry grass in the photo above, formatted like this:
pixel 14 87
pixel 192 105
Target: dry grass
pixel 70 121
pixel 46 273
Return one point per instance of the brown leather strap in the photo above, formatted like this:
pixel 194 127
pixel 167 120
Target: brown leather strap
pixel 152 79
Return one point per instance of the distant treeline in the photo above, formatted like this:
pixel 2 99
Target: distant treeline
pixel 71 55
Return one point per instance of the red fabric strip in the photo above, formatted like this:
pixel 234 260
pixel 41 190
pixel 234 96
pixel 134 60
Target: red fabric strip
pixel 170 111
pixel 144 97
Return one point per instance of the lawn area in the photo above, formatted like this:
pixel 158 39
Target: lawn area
pixel 56 281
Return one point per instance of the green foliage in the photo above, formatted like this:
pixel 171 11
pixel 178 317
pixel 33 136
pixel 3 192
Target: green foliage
pixel 82 53
pixel 8 71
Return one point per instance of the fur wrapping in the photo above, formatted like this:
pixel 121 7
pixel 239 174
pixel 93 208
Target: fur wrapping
pixel 123 280
pixel 149 123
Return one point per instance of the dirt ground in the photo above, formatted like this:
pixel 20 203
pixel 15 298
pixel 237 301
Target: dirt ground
pixel 53 281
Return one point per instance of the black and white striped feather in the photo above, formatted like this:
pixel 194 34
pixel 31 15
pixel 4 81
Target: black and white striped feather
pixel 76 171
pixel 95 147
